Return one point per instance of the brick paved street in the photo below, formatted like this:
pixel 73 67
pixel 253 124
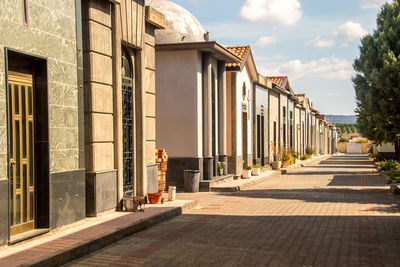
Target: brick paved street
pixel 336 213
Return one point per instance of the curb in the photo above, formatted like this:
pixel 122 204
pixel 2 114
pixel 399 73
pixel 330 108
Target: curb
pixel 243 186
pixel 84 248
pixel 303 164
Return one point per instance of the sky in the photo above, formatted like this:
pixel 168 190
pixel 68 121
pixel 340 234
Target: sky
pixel 313 42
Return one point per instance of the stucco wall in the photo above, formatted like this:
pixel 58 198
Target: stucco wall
pixel 386 147
pixel 273 116
pixel 284 103
pixel 177 127
pixel 51 34
pixel 297 118
pixel 243 77
pixel 261 103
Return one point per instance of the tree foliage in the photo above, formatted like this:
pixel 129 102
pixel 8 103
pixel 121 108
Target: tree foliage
pixel 377 82
pixel 347 128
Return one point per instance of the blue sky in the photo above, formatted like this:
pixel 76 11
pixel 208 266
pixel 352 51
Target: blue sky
pixel 314 42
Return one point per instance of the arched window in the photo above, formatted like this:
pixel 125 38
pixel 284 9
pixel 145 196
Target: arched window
pixel 127 121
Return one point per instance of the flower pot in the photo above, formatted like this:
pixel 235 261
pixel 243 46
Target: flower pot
pixel 246 174
pixel 154 198
pixel 276 165
pixel 256 171
pixel 128 203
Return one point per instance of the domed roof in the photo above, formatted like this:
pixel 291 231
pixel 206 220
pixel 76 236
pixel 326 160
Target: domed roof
pixel 182 26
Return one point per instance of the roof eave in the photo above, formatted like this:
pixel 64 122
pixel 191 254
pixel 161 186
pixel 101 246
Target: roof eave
pixel 218 50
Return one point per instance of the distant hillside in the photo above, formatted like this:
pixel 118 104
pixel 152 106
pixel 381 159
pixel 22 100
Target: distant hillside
pixel 341 118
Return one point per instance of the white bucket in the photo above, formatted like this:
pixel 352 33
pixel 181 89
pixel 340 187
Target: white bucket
pixel 171 193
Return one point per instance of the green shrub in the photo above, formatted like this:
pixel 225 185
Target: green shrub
pixel 389 165
pixel 379 157
pixel 394 174
pixel 286 154
pixel 309 150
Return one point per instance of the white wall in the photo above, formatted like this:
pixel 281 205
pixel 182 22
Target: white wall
pixel 243 77
pixel 273 116
pixel 178 87
pixel 386 147
pixel 284 103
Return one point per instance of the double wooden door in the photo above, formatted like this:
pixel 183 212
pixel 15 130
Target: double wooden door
pixel 21 152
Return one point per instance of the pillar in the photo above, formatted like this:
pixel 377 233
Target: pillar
pixel 207 117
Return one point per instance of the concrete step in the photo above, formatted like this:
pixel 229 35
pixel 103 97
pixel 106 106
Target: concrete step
pixel 206 185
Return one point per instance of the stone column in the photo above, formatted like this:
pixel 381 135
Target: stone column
pixel 222 114
pixel 207 117
pixel 117 102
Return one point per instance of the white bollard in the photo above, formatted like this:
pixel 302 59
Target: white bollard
pixel 171 193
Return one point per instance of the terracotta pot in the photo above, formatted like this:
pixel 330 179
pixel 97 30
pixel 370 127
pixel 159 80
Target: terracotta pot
pixel 256 171
pixel 276 165
pixel 154 198
pixel 246 174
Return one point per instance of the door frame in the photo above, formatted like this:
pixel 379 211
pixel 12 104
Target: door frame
pixel 41 142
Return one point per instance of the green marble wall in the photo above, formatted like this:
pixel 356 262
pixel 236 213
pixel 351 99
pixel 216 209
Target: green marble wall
pixel 52 34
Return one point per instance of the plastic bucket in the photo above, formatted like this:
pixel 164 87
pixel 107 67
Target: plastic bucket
pixel 171 193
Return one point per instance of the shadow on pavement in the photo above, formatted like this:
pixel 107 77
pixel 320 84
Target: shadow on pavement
pixel 342 195
pixel 245 240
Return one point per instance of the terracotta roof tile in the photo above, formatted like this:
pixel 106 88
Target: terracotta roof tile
pixel 276 79
pixel 240 51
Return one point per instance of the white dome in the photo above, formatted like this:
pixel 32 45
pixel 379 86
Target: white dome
pixel 182 26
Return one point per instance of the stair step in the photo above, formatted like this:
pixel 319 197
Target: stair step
pixel 206 185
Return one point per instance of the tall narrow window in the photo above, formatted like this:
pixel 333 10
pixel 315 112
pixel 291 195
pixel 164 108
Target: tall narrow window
pixel 259 136
pixel 25 12
pixel 127 121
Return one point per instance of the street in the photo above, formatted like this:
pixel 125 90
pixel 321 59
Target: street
pixel 335 213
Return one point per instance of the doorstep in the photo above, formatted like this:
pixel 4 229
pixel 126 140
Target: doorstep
pixel 89 235
pixel 207 185
pixel 242 184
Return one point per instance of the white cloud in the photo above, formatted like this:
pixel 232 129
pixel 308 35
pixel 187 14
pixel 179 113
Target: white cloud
pixel 319 42
pixel 265 40
pixel 279 12
pixel 329 68
pixel 350 31
pixel 372 3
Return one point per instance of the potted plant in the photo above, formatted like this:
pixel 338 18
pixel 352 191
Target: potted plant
pixel 277 153
pixel 286 157
pixel 221 167
pixel 246 174
pixel 256 170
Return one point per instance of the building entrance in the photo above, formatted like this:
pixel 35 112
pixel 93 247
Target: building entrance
pixel 21 152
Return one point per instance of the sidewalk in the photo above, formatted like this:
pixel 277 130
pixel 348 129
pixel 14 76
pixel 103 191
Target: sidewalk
pixel 91 234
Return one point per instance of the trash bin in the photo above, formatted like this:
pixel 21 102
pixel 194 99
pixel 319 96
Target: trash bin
pixel 191 180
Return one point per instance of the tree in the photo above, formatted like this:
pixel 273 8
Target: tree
pixel 377 82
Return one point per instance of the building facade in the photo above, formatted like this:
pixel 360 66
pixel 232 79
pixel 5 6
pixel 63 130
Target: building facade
pixel 191 95
pixel 120 101
pixel 240 104
pixel 42 176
